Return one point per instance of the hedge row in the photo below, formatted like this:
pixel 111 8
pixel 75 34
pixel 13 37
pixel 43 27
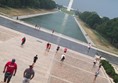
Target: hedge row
pixel 110 70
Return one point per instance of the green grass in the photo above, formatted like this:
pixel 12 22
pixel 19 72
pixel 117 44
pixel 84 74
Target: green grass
pixel 105 41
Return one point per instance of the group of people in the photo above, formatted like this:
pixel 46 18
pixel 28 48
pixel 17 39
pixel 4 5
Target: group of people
pixel 48 46
pixel 39 27
pixel 10 67
pixel 10 70
pixel 97 59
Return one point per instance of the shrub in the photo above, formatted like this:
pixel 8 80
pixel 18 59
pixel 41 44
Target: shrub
pixel 110 70
pixel 115 78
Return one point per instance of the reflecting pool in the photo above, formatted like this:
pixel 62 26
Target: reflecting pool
pixel 59 22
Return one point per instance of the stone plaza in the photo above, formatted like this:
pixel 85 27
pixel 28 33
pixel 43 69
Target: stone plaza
pixel 77 67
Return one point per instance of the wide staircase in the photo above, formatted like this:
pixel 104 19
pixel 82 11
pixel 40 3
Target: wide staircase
pixel 77 68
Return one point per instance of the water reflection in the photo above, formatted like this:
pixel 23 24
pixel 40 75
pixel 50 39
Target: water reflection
pixel 60 22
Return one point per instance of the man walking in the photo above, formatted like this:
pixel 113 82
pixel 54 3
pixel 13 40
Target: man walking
pixel 28 74
pixel 23 41
pixel 58 47
pixel 9 70
pixel 35 59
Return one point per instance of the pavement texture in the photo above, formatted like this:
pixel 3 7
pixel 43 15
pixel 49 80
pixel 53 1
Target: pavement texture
pixel 77 67
pixel 75 46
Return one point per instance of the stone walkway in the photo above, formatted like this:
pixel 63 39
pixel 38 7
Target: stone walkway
pixel 77 67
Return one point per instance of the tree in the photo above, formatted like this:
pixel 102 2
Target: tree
pixel 46 4
pixel 108 28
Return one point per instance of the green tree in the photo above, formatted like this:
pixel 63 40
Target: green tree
pixel 108 28
pixel 46 4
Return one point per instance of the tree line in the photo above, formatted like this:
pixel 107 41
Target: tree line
pixel 108 28
pixel 44 4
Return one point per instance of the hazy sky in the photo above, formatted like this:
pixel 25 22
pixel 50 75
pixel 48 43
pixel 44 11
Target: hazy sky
pixel 107 8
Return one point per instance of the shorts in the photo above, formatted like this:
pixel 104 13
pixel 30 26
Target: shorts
pixel 8 75
pixel 26 80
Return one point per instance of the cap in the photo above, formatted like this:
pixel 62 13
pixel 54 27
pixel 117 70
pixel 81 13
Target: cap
pixel 13 60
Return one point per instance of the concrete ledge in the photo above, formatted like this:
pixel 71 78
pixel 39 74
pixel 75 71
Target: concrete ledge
pixel 33 15
pixel 84 33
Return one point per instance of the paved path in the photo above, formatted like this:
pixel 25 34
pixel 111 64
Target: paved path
pixel 77 67
pixel 54 39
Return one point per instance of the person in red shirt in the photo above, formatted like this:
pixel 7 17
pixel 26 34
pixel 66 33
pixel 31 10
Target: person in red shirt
pixel 23 41
pixel 47 46
pixel 65 50
pixel 9 70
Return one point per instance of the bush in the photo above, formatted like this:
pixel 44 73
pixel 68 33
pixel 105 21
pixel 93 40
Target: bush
pixel 115 78
pixel 110 70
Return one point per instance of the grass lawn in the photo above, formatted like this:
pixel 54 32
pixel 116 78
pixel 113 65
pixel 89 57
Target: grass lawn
pixel 97 39
pixel 18 12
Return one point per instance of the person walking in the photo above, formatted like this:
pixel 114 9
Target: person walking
pixel 62 57
pixel 28 74
pixel 100 65
pixel 47 46
pixel 100 58
pixel 89 47
pixel 94 63
pixel 23 41
pixel 36 26
pixel 52 31
pixel 96 75
pixel 35 59
pixel 9 70
pixel 65 50
pixel 58 47
pixel 17 18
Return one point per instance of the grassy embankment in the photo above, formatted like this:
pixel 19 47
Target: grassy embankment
pixel 97 39
pixel 18 12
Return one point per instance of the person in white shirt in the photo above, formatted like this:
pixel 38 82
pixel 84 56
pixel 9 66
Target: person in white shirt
pixel 62 57
pixel 89 47
pixel 96 75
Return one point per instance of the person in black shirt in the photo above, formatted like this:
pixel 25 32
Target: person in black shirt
pixel 58 47
pixel 35 59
